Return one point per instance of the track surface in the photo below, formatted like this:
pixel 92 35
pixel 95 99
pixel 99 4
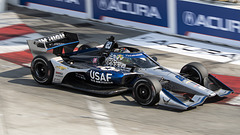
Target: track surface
pixel 28 108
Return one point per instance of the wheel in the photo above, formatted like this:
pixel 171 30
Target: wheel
pixel 42 70
pixel 195 72
pixel 88 45
pixel 146 91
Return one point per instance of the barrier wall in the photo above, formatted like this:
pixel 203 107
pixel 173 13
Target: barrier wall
pixel 144 14
pixel 208 22
pixel 13 2
pixel 181 17
pixel 75 8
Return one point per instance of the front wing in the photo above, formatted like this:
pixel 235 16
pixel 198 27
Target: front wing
pixel 181 102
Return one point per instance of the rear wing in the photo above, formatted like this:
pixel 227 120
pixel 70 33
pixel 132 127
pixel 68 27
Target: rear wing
pixel 57 42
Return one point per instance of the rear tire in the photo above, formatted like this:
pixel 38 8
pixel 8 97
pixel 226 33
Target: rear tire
pixel 195 71
pixel 42 70
pixel 146 91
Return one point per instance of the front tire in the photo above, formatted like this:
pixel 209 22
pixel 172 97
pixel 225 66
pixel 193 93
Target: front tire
pixel 195 71
pixel 146 91
pixel 42 70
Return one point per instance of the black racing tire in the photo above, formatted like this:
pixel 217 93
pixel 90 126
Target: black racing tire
pixel 195 71
pixel 146 91
pixel 88 45
pixel 42 70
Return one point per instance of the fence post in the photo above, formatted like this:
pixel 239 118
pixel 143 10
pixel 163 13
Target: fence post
pixel 172 21
pixel 2 5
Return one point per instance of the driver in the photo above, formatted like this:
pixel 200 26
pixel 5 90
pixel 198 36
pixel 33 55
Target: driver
pixel 122 50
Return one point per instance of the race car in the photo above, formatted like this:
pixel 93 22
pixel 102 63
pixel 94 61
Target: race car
pixel 109 69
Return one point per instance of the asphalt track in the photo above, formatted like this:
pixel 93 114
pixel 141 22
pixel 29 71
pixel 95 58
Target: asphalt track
pixel 28 108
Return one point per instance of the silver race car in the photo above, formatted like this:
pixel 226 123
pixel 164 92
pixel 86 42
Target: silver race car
pixel 109 70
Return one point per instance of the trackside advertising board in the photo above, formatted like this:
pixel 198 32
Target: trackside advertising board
pixel 57 6
pixel 151 12
pixel 201 20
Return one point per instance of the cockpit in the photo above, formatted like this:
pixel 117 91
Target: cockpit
pixel 125 57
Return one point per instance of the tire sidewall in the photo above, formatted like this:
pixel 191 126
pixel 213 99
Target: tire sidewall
pixel 154 93
pixel 198 68
pixel 47 79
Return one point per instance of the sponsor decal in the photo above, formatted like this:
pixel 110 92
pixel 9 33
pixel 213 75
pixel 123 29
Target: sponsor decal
pixel 99 77
pixel 196 85
pixel 81 76
pixel 95 60
pixel 212 22
pixel 128 7
pixel 120 57
pixel 132 12
pixel 59 73
pixel 166 101
pixel 112 61
pixel 189 81
pixel 57 80
pixel 57 6
pixel 107 68
pixel 108 45
pixel 186 47
pixel 61 67
pixel 137 55
pixel 181 78
pixel 216 22
pixel 70 1
pixel 52 38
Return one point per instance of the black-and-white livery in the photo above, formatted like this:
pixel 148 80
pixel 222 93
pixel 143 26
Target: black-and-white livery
pixel 109 70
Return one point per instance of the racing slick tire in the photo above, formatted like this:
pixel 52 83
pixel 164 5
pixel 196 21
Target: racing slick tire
pixel 195 71
pixel 42 70
pixel 88 45
pixel 146 91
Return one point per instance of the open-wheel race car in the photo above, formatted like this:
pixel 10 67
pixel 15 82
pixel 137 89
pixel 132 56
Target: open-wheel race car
pixel 110 70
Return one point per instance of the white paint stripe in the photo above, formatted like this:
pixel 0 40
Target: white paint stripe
pixel 203 37
pixel 235 101
pixel 8 19
pixel 17 44
pixel 27 65
pixel 101 118
pixel 186 47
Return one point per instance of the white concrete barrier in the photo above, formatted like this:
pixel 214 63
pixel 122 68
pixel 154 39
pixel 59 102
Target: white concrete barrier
pixel 216 23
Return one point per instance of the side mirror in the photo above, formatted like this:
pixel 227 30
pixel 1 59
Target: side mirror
pixel 154 58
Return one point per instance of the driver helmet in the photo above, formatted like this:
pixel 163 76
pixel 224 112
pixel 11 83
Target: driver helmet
pixel 122 50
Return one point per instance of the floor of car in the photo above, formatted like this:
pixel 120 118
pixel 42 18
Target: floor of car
pixel 107 90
